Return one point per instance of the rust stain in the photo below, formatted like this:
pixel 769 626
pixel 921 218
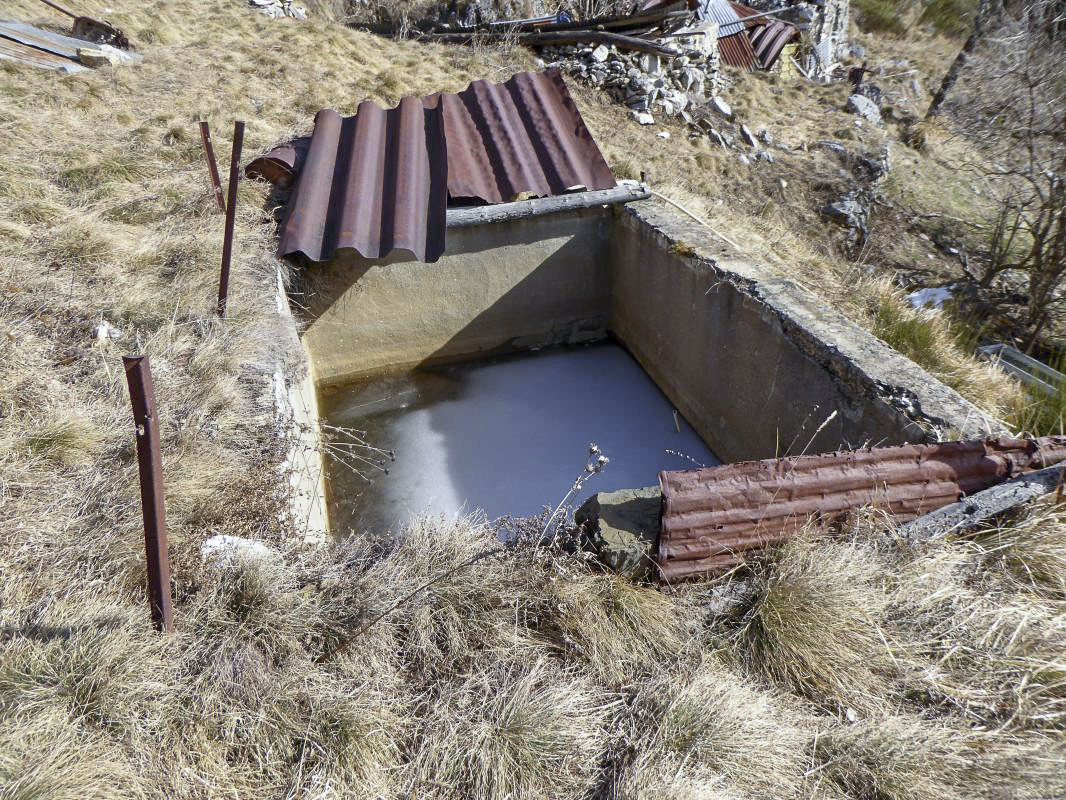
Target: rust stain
pixel 714 518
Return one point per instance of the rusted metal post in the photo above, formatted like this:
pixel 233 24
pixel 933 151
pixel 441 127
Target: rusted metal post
pixel 139 378
pixel 212 165
pixel 231 215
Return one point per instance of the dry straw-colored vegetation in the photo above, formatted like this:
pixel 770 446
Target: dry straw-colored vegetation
pixel 853 668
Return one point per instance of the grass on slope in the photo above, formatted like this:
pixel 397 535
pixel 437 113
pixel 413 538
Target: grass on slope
pixel 529 675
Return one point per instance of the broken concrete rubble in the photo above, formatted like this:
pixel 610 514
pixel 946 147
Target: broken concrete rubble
pixel 279 9
pixel 864 107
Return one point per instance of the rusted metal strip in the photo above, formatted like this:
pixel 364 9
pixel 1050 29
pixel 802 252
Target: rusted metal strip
pixel 149 460
pixel 231 216
pixel 713 518
pixel 212 164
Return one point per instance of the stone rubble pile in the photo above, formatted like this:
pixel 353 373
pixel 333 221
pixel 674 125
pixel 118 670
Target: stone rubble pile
pixel 647 84
pixel 277 9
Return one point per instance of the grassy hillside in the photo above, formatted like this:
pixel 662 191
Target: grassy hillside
pixel 849 668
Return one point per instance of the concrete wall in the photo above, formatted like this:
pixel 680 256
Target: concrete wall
pixel 531 282
pixel 756 363
pixel 759 366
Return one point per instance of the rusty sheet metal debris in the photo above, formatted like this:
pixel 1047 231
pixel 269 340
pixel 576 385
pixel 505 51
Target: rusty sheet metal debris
pixel 769 39
pixel 713 518
pixel 372 182
pixel 40 48
pixel 382 179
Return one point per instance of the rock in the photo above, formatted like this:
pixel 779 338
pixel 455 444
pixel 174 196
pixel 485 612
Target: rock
pixel 848 212
pixel 743 159
pixel 104 330
pixel 766 137
pixel 601 53
pixel 832 147
pixel 856 50
pixel 871 91
pixel 643 117
pixel 650 63
pixel 663 134
pixel 865 108
pixel 762 155
pixel 91 57
pixel 622 528
pixel 227 551
pixel 721 106
pixel 748 136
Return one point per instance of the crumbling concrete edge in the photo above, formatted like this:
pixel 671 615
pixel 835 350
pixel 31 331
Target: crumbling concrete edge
pixel 862 364
pixel 291 402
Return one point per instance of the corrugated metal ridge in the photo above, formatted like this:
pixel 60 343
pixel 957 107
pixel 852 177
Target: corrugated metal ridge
pixel 713 518
pixel 769 39
pixel 736 50
pixel 491 142
pixel 522 136
pixel 373 182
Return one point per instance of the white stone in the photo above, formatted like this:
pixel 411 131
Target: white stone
pixel 225 551
pixel 643 117
pixel 663 134
pixel 722 107
pixel 104 330
pixel 865 108
pixel 600 53
pixel 91 57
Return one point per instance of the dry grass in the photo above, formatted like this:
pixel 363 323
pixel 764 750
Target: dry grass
pixel 527 675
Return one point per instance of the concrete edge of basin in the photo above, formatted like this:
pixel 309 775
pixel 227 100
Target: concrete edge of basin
pixel 291 396
pixel 861 362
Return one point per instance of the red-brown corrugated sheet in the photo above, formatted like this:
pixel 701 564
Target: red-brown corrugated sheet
pixel 713 518
pixel 736 51
pixel 381 179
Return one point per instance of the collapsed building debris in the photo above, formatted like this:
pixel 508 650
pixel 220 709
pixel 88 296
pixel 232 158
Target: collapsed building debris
pixel 279 9
pixel 40 48
pixel 383 178
pixel 714 518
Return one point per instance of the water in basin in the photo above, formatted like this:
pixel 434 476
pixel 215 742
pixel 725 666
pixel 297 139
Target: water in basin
pixel 507 435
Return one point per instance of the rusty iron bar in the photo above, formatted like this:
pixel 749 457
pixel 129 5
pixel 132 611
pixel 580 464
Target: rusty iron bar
pixel 212 165
pixel 139 379
pixel 231 215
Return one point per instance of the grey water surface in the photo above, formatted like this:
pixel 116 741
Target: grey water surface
pixel 506 435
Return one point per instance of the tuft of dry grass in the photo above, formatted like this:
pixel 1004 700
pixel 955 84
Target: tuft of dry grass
pixel 814 623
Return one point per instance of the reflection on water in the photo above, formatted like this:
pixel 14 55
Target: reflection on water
pixel 506 435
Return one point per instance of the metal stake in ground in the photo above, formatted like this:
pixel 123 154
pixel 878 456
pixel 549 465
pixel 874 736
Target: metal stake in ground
pixel 231 213
pixel 139 378
pixel 212 165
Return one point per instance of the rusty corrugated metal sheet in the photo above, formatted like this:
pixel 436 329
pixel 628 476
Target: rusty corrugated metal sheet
pixel 490 142
pixel 768 39
pixel 736 50
pixel 713 518
pixel 372 183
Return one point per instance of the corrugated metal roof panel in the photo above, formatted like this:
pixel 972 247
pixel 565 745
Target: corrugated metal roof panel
pixel 769 39
pixel 736 50
pixel 722 12
pixel 713 518
pixel 383 182
pixel 372 183
pixel 522 136
pixel 40 48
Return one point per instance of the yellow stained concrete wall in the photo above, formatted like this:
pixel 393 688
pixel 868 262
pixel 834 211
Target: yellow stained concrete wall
pixel 526 283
